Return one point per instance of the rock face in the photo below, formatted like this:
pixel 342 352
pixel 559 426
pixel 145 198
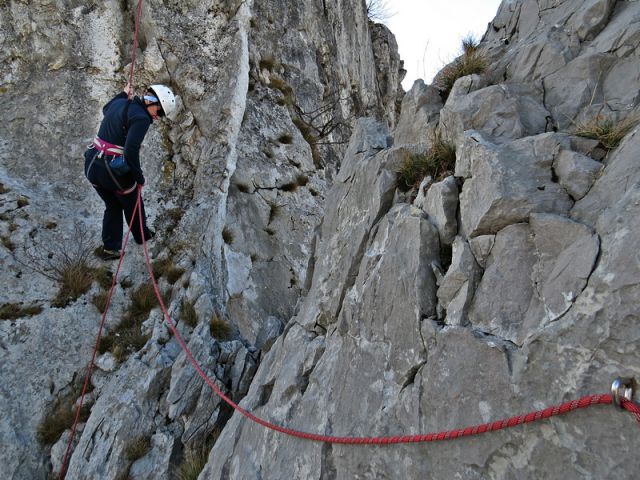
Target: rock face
pixel 307 287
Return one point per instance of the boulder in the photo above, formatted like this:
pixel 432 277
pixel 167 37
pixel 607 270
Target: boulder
pixel 509 182
pixel 504 112
pixel 441 206
pixel 419 114
pixel 456 291
pixel 576 172
pixel 502 298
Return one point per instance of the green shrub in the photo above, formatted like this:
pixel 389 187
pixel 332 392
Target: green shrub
pixel 607 131
pixel 438 162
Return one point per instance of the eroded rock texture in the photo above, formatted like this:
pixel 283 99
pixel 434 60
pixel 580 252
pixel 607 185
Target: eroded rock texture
pixel 506 285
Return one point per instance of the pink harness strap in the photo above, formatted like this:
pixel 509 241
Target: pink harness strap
pixel 106 147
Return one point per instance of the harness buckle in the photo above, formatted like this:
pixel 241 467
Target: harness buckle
pixel 622 388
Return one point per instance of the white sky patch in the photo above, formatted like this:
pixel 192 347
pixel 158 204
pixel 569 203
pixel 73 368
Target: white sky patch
pixel 429 32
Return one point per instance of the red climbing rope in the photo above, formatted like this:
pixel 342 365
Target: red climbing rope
pixel 67 453
pixel 584 402
pixel 429 437
pixel 134 50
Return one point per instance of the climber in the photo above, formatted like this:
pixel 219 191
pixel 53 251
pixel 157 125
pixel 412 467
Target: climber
pixel 112 162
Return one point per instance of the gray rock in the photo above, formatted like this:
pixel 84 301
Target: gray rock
pixel 456 291
pixel 504 293
pixel 621 174
pixel 566 253
pixel 441 206
pixel 155 464
pixel 360 196
pixel 509 182
pixel 419 114
pixel 481 247
pixel 269 333
pixel 576 172
pixel 504 112
pixel 466 85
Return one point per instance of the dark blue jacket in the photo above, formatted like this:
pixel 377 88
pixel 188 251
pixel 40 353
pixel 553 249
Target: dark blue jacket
pixel 130 135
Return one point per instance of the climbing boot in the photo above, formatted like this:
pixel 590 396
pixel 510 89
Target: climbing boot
pixel 106 254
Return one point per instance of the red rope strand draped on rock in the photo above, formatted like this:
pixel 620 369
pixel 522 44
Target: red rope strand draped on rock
pixel 566 407
pixel 87 379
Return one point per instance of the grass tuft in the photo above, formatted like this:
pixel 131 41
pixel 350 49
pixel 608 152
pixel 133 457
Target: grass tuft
pixel 438 162
pixel 188 314
pixel 227 235
pixel 12 311
pixel 285 139
pixel 100 301
pixel 607 131
pixel 8 243
pixel 166 268
pixel 219 328
pixel 243 187
pixel 193 463
pixel 268 63
pixel 289 187
pixel 23 202
pixel 137 447
pixel 75 279
pixel 59 419
pixel 471 61
pixel 127 337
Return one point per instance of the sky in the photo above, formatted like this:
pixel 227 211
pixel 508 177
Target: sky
pixel 429 32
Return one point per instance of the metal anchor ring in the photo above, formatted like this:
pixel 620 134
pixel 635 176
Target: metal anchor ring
pixel 622 388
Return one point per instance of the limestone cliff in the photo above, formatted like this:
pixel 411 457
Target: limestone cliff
pixel 355 308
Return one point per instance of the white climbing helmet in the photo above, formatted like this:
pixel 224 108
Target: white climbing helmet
pixel 166 97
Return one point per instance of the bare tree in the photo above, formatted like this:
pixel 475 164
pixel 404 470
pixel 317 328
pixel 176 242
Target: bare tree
pixel 379 11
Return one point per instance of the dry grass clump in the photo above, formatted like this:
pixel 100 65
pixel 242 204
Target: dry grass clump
pixel 69 262
pixel 137 447
pixel 188 314
pixel 100 301
pixel 193 463
pixel 165 267
pixel 438 162
pixel 227 235
pixel 60 418
pixel 8 243
pixel 219 328
pixel 285 138
pixel 127 337
pixel 12 311
pixel 471 61
pixel 607 131
pixel 195 459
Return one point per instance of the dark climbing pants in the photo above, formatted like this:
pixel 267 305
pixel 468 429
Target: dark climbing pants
pixel 116 203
